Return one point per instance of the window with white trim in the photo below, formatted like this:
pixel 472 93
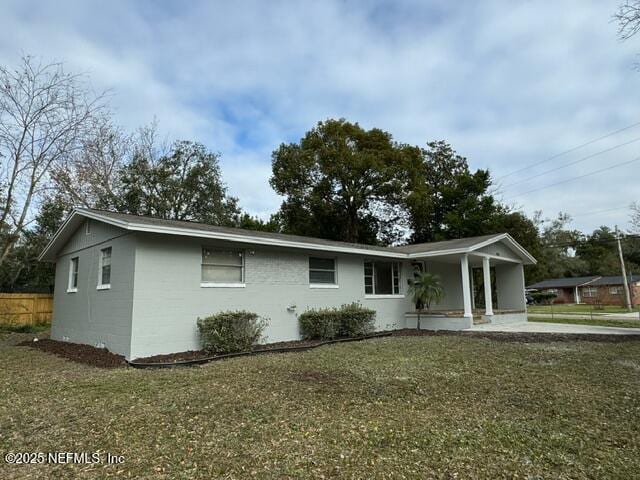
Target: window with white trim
pixel 73 274
pixel 589 292
pixel 381 278
pixel 551 290
pixel 105 268
pixel 223 266
pixel 617 290
pixel 322 270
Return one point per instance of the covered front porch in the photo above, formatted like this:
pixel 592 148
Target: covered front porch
pixel 484 284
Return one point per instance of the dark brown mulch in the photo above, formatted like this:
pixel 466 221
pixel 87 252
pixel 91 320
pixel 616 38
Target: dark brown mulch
pixel 201 354
pixel 522 337
pixel 76 352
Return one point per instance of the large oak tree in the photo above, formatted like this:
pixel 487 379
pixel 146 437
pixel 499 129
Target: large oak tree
pixel 341 182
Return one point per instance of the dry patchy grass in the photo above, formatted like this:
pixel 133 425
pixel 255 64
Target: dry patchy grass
pixel 414 407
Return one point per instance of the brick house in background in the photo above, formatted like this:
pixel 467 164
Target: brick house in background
pixel 608 290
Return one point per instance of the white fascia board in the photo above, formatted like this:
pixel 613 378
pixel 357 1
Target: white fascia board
pixel 505 236
pixel 57 235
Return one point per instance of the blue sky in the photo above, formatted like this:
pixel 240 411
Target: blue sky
pixel 507 83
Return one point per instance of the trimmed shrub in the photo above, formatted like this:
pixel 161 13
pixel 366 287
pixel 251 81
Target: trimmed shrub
pixel 328 323
pixel 543 298
pixel 232 331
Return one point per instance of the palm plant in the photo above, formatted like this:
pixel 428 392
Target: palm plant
pixel 426 289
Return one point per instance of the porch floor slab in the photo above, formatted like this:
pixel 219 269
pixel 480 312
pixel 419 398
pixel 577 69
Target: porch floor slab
pixel 539 327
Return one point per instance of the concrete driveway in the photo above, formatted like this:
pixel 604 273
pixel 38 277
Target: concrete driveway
pixel 539 327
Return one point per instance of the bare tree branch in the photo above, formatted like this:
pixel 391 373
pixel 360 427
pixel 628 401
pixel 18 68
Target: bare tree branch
pixel 45 116
pixel 628 18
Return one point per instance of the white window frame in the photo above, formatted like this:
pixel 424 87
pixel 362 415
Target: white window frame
pixel 87 227
pixel 104 286
pixel 396 274
pixel 589 292
pixel 335 273
pixel 73 262
pixel 240 284
pixel 616 290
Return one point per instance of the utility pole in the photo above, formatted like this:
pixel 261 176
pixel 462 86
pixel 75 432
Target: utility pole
pixel 627 297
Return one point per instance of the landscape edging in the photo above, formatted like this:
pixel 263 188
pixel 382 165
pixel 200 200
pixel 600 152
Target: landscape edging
pixel 200 361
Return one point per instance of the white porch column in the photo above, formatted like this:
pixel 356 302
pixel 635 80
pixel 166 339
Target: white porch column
pixel 466 285
pixel 488 300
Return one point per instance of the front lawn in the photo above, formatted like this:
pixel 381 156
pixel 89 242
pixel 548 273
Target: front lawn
pixel 597 321
pixel 397 407
pixel 582 308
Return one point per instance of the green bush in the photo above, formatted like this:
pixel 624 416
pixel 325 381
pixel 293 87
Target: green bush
pixel 328 323
pixel 233 331
pixel 543 298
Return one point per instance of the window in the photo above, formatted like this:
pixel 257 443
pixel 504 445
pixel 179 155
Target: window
pixel 104 282
pixel 616 290
pixel 87 227
pixel 222 267
pixel 73 275
pixel 552 290
pixel 322 271
pixel 590 292
pixel 381 278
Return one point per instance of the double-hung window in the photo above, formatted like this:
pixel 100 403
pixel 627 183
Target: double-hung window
pixel 590 292
pixel 73 275
pixel 104 270
pixel 222 267
pixel 381 278
pixel 322 272
pixel 616 290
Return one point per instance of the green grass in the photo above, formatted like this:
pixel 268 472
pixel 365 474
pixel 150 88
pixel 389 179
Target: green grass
pixel 601 322
pixel 565 308
pixel 430 407
pixel 35 328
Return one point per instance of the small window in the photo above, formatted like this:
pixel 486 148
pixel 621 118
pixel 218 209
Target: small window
pixel 87 227
pixel 552 290
pixel 322 270
pixel 105 268
pixel 616 290
pixel 381 278
pixel 589 292
pixel 222 266
pixel 73 275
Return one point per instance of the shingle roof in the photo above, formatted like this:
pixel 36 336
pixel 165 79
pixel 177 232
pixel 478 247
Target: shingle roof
pixel 615 280
pixel 564 282
pixel 460 243
pixel 205 227
pixel 186 228
pixel 570 282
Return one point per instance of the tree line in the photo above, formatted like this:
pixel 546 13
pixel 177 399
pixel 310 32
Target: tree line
pixel 60 148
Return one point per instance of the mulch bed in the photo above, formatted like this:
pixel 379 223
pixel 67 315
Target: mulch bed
pixel 76 352
pixel 102 358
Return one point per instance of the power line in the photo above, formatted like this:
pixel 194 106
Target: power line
pixel 583 159
pixel 582 214
pixel 573 149
pixel 590 241
pixel 576 178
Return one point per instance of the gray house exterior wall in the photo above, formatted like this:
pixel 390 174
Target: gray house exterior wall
pixel 168 297
pixel 91 316
pixel 155 296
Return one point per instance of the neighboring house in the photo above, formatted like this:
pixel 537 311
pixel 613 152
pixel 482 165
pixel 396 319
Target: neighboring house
pixel 136 285
pixel 591 290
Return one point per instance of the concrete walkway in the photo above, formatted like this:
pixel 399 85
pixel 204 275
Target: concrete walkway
pixel 610 316
pixel 539 327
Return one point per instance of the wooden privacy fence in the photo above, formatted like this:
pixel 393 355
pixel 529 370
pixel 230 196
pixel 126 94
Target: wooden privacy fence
pixel 25 308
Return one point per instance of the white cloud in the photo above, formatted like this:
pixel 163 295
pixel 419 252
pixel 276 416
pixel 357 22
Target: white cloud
pixel 506 83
